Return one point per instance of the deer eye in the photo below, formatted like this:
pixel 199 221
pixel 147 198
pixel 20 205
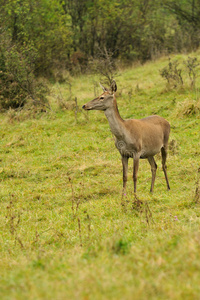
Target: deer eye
pixel 101 98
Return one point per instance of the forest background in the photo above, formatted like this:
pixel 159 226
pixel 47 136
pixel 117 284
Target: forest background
pixel 43 38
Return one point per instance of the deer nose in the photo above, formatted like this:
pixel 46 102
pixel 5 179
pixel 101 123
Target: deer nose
pixel 83 106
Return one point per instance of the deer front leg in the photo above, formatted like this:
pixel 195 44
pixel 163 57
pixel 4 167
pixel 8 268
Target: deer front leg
pixel 135 171
pixel 125 171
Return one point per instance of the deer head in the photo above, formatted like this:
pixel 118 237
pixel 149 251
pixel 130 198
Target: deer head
pixel 104 101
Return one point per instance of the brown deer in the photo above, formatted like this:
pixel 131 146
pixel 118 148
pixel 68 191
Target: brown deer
pixel 134 138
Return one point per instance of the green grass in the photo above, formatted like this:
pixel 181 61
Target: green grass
pixel 64 231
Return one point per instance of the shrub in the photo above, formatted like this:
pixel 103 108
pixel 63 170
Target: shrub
pixel 173 74
pixel 192 65
pixel 105 65
pixel 18 84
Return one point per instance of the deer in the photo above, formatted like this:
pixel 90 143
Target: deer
pixel 134 138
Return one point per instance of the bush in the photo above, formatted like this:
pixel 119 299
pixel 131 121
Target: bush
pixel 18 84
pixel 173 74
pixel 192 65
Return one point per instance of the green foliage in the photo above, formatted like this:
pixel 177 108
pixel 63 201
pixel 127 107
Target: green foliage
pixel 66 34
pixel 18 83
pixel 187 14
pixel 42 25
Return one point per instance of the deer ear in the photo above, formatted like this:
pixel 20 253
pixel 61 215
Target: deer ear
pixel 113 86
pixel 103 88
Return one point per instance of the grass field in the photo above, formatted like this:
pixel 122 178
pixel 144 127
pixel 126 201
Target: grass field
pixel 66 233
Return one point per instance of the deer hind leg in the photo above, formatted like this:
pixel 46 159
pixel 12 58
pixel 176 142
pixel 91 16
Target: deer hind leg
pixel 164 167
pixel 135 171
pixel 153 171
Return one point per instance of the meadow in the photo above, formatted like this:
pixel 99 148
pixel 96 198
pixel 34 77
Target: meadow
pixel 66 230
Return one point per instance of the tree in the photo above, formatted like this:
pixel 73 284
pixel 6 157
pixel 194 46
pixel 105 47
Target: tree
pixel 187 13
pixel 42 24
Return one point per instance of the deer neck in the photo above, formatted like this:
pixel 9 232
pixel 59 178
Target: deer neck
pixel 115 121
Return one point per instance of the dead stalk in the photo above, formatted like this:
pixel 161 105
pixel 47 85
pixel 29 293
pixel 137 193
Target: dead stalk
pixel 143 208
pixel 80 234
pixel 89 226
pixel 197 191
pixel 14 219
pixel 73 199
pixel 20 242
pixel 123 201
pixel 76 109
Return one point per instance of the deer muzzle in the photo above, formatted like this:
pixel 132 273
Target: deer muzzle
pixel 86 107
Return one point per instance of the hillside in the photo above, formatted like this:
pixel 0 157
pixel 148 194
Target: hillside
pixel 66 232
